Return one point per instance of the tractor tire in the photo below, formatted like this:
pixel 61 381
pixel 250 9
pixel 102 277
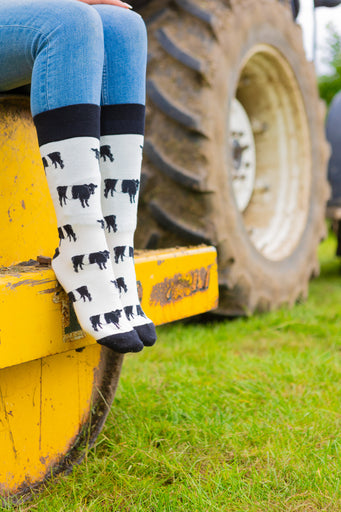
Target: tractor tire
pixel 235 152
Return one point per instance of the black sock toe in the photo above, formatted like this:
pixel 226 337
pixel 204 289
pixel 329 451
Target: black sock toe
pixel 122 342
pixel 147 334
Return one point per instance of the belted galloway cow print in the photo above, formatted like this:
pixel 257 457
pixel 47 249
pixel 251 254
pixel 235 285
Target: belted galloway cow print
pixel 94 181
pixel 120 184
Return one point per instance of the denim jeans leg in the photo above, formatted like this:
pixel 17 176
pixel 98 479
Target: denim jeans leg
pixel 57 46
pixel 125 59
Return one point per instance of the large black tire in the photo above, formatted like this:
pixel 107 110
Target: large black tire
pixel 203 54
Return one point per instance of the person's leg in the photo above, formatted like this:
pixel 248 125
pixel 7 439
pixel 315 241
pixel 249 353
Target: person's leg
pixel 122 135
pixel 62 41
pixel 50 44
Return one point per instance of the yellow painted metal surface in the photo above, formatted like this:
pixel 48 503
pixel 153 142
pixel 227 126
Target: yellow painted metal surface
pixel 27 218
pixel 177 283
pixel 43 404
pixel 31 319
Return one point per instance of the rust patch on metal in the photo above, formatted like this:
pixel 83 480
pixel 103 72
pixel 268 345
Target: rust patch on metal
pixel 48 290
pixel 44 260
pixel 139 290
pixel 71 329
pixel 180 286
pixel 61 297
pixel 30 282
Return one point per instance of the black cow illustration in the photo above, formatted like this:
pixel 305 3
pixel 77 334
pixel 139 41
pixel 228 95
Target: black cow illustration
pixel 112 317
pixel 70 232
pixel 45 163
pixel 120 284
pixel 109 186
pixel 139 311
pixel 62 195
pixel 95 322
pixel 111 223
pixel 56 159
pixel 100 258
pixel 129 312
pixel 81 192
pixel 80 293
pixel 101 221
pixel 96 151
pixel 78 262
pixel 60 234
pixel 106 153
pixel 56 253
pixel 119 252
pixel 130 187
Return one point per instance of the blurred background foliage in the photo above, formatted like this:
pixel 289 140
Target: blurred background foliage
pixel 330 85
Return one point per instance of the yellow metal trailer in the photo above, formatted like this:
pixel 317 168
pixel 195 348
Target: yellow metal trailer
pixel 56 383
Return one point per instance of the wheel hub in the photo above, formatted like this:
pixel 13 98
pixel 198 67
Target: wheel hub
pixel 243 155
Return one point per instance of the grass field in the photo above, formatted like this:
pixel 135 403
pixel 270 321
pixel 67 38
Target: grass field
pixel 240 415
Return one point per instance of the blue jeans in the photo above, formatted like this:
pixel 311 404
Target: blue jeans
pixel 72 53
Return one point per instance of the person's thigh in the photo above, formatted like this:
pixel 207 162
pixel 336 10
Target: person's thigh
pixel 55 44
pixel 125 44
pixel 18 33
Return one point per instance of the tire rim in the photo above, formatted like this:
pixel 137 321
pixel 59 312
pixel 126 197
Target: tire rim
pixel 273 195
pixel 243 154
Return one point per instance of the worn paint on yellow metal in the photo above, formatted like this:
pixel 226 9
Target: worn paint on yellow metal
pixel 31 322
pixel 177 283
pixel 43 403
pixel 27 218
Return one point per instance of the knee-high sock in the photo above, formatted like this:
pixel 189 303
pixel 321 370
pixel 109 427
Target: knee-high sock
pixel 121 145
pixel 69 145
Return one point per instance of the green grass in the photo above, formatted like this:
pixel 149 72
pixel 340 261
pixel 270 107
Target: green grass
pixel 240 415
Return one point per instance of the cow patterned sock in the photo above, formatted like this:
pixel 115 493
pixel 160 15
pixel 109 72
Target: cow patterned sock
pixel 121 144
pixel 69 145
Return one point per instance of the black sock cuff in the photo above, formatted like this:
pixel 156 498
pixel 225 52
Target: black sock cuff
pixel 122 119
pixel 82 120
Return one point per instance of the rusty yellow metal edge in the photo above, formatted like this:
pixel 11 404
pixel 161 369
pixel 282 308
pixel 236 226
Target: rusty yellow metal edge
pixel 177 283
pixel 173 284
pixel 51 411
